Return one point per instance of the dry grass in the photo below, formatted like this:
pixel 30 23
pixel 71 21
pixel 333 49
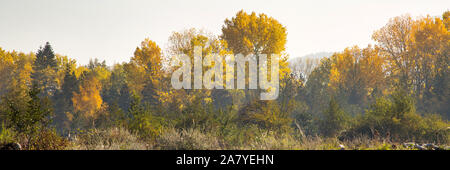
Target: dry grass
pixel 194 139
pixel 191 139
pixel 110 139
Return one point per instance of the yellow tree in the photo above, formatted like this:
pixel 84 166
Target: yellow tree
pixel 15 71
pixel 135 76
pixel 6 70
pixel 257 34
pixel 87 101
pixel 446 18
pixel 373 70
pixel 148 58
pixel 430 48
pixel 357 74
pixel 417 52
pixel 394 40
pixel 430 42
pixel 252 33
pixel 184 43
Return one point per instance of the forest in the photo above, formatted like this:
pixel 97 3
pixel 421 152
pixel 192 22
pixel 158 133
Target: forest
pixel 393 94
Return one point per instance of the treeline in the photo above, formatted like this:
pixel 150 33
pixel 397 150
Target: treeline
pixel 395 91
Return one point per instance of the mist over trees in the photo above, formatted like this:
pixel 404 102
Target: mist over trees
pixel 396 90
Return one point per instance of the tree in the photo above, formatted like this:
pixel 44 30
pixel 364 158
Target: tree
pixel 417 54
pixel 29 117
pixel 184 43
pixel 430 46
pixel 446 18
pixel 149 57
pixel 6 70
pixel 63 100
pixel 334 120
pixel 317 92
pixel 256 34
pixel 288 95
pixel 116 90
pixel 141 120
pixel 358 75
pixel 44 70
pixel 394 40
pixel 394 118
pixel 15 70
pixel 87 100
pixel 45 57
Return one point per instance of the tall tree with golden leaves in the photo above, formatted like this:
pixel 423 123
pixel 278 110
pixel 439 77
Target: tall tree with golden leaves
pixel 252 33
pixel 87 101
pixel 148 58
pixel 357 74
pixel 394 40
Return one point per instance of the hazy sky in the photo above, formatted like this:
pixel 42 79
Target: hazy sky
pixel 111 29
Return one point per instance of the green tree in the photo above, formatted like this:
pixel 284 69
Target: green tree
pixel 334 120
pixel 317 93
pixel 45 57
pixel 395 119
pixel 116 89
pixel 30 117
pixel 142 121
pixel 45 70
pixel 63 100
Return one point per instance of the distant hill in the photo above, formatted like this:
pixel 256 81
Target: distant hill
pixel 315 55
pixel 303 66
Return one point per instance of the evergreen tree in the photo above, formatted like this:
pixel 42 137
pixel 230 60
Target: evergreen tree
pixel 45 57
pixel 63 99
pixel 29 117
pixel 45 70
pixel 334 120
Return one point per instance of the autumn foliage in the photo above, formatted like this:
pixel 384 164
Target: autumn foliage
pixel 396 90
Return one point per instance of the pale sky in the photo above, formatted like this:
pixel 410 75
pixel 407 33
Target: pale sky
pixel 112 29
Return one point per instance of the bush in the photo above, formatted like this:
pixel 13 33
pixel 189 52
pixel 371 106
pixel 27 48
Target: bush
pixel 7 135
pixel 266 115
pixel 147 126
pixel 49 140
pixel 29 116
pixel 334 120
pixel 395 119
pixel 142 121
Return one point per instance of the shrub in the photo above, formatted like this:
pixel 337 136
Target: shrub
pixel 266 115
pixel 7 135
pixel 49 140
pixel 334 120
pixel 395 119
pixel 142 121
pixel 147 126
